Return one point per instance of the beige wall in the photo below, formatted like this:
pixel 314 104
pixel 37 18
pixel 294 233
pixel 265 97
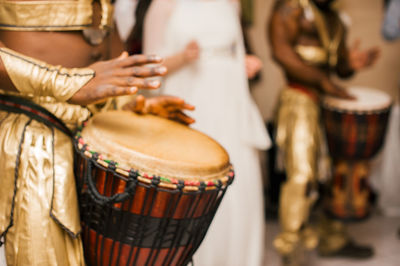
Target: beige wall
pixel 366 16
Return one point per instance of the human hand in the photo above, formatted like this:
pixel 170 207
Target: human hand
pixel 165 106
pixel 253 66
pixel 123 75
pixel 328 87
pixel 361 59
pixel 191 52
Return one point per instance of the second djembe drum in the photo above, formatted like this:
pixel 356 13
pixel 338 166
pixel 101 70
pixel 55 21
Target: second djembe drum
pixel 355 131
pixel 148 188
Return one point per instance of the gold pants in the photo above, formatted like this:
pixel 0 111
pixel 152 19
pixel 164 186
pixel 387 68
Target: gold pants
pixel 298 135
pixel 40 197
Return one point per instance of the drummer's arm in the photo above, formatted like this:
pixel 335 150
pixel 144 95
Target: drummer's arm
pixel 343 67
pixel 123 75
pixel 283 32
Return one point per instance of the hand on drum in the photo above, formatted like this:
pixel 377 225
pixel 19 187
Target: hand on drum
pixel 362 59
pixel 123 75
pixel 328 87
pixel 165 106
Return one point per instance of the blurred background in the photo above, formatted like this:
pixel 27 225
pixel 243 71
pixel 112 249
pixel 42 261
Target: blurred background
pixel 363 19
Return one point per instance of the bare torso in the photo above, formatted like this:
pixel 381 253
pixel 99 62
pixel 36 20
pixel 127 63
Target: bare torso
pixel 68 49
pixel 289 27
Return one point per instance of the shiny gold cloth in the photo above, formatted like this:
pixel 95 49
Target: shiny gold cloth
pixel 34 77
pixel 312 55
pixel 52 15
pixel 298 138
pixel 46 224
pixel 45 15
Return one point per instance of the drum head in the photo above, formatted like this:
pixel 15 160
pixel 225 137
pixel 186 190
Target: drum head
pixel 367 100
pixel 156 146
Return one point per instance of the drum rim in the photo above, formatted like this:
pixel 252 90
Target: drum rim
pixel 331 103
pixel 226 178
pixel 356 111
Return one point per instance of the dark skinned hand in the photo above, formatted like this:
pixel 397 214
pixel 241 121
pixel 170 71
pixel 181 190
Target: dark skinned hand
pixel 328 87
pixel 170 107
pixel 124 75
pixel 360 59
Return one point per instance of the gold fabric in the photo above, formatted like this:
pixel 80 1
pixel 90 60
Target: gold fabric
pixel 45 15
pixel 156 146
pixel 312 55
pixel 46 218
pixel 34 77
pixel 297 136
pixel 106 14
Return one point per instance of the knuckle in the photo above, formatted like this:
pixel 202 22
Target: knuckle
pixel 130 80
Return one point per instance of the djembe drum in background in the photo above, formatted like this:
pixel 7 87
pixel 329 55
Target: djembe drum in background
pixel 148 188
pixel 355 131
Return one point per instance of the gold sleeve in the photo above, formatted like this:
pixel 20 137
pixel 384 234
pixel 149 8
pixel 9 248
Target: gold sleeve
pixel 34 77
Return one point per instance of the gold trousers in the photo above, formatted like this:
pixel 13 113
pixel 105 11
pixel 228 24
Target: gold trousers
pixel 38 202
pixel 298 138
pixel 298 135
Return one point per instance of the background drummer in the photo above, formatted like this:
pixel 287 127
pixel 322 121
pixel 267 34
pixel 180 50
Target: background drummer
pixel 308 41
pixel 39 220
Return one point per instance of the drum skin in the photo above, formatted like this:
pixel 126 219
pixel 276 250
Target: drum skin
pixel 159 223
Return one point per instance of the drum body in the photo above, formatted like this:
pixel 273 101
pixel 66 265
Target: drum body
pixel 356 129
pixel 148 189
pixel 355 132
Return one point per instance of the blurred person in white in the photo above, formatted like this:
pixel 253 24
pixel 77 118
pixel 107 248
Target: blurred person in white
pixel 202 43
pixel 387 171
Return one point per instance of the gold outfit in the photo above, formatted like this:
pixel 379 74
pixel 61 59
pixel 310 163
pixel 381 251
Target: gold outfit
pixel 33 77
pixel 46 225
pixel 52 15
pixel 39 216
pixel 298 136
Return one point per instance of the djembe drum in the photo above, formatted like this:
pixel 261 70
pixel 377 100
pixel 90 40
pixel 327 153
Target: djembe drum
pixel 148 188
pixel 355 131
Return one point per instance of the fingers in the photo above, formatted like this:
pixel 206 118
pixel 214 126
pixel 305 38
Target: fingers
pixel 114 91
pixel 138 60
pixel 356 44
pixel 139 106
pixel 173 103
pixel 373 55
pixel 123 55
pixel 193 44
pixel 181 117
pixel 141 71
pixel 189 107
pixel 137 82
pixel 343 94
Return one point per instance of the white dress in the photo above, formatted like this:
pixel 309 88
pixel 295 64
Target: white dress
pixel 217 85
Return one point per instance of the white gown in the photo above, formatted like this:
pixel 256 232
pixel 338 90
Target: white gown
pixel 217 85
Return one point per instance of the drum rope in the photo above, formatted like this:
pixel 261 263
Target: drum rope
pixel 116 198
